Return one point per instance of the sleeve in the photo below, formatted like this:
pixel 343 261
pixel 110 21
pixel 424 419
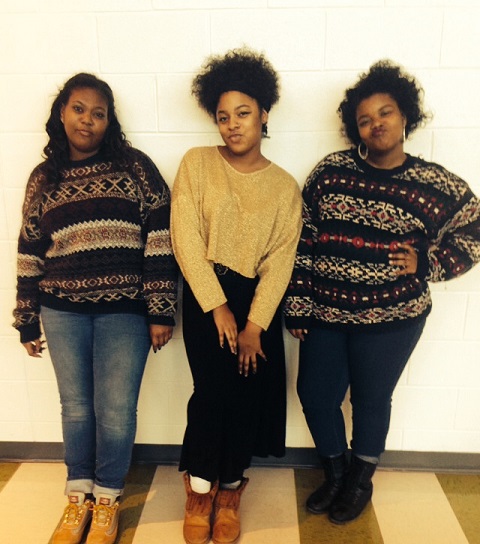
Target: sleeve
pixel 276 268
pixel 456 247
pixel 189 245
pixel 32 246
pixel 160 270
pixel 298 303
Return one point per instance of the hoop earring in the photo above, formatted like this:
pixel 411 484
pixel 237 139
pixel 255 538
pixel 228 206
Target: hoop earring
pixel 404 135
pixel 359 149
pixel 265 131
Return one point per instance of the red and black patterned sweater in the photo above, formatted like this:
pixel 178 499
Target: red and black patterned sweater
pixel 97 243
pixel 354 215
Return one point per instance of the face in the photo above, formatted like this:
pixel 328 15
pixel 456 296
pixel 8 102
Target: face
pixel 240 121
pixel 85 119
pixel 380 124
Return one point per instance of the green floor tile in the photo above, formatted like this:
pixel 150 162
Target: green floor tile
pixel 463 493
pixel 318 530
pixel 138 484
pixel 7 470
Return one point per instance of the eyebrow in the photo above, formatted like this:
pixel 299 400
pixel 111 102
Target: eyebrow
pixel 79 102
pixel 236 108
pixel 379 109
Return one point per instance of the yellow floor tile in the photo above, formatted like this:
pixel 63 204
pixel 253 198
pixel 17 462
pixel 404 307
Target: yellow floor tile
pixel 412 508
pixel 268 509
pixel 31 503
pixel 407 507
pixel 162 516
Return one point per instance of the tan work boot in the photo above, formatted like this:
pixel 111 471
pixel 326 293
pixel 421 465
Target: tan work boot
pixel 226 524
pixel 198 510
pixel 104 521
pixel 75 517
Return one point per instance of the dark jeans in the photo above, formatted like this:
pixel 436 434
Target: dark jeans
pixel 371 364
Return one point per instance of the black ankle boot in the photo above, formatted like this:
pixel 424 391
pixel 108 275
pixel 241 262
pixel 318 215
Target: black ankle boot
pixel 356 494
pixel 334 469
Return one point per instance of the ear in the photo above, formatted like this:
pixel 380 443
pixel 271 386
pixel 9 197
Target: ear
pixel 264 117
pixel 62 109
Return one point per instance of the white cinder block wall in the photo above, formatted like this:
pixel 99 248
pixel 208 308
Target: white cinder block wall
pixel 148 50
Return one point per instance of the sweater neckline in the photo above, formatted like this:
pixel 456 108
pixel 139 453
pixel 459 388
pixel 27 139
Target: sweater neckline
pixel 85 162
pixel 385 172
pixel 255 172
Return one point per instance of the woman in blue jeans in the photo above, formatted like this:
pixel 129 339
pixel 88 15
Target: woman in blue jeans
pixel 378 224
pixel 95 265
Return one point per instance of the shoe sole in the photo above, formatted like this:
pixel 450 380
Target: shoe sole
pixel 191 542
pixel 317 512
pixel 226 542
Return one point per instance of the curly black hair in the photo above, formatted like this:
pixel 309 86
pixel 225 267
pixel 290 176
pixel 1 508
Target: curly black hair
pixel 115 145
pixel 242 70
pixel 383 77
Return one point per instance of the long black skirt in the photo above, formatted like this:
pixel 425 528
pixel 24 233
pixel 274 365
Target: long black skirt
pixel 231 417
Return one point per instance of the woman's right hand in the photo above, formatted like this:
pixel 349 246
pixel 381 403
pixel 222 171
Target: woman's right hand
pixel 298 333
pixel 226 326
pixel 34 348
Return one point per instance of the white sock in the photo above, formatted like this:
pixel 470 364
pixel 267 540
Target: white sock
pixel 232 485
pixel 199 485
pixel 76 497
pixel 106 499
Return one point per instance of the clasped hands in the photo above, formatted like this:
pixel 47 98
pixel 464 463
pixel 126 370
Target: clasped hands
pixel 245 344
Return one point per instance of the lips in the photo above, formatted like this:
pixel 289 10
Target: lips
pixel 85 133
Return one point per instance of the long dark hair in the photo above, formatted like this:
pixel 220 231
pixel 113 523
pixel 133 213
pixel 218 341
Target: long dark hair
pixel 57 152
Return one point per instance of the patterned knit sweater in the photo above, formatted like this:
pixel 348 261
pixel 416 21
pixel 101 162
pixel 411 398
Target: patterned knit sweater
pixel 97 243
pixel 354 215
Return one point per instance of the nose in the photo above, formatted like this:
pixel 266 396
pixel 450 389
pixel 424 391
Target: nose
pixel 233 123
pixel 376 121
pixel 87 119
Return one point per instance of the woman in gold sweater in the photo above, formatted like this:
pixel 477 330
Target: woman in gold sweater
pixel 236 220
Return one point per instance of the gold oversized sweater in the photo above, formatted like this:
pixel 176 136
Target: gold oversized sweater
pixel 248 222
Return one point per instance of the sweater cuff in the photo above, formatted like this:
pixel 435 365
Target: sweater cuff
pixel 297 322
pixel 423 265
pixel 29 333
pixel 161 320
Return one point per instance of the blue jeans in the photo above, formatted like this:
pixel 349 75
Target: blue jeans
pixel 99 361
pixel 371 364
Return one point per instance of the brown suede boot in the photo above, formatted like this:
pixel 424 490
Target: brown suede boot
pixel 198 510
pixel 226 525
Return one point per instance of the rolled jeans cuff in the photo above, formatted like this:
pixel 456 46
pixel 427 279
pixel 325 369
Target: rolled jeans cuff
pixel 79 486
pixel 98 489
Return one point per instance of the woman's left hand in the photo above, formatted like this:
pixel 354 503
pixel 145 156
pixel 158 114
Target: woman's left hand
pixel 406 260
pixel 249 347
pixel 160 335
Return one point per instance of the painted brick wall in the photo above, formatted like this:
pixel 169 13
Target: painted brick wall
pixel 148 50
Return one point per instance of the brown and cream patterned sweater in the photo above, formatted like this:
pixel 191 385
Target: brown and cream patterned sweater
pixel 99 242
pixel 354 215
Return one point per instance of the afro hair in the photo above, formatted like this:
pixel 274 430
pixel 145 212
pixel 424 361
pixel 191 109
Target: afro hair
pixel 383 77
pixel 242 70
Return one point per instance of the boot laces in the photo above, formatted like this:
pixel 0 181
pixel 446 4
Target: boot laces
pixel 73 514
pixel 102 515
